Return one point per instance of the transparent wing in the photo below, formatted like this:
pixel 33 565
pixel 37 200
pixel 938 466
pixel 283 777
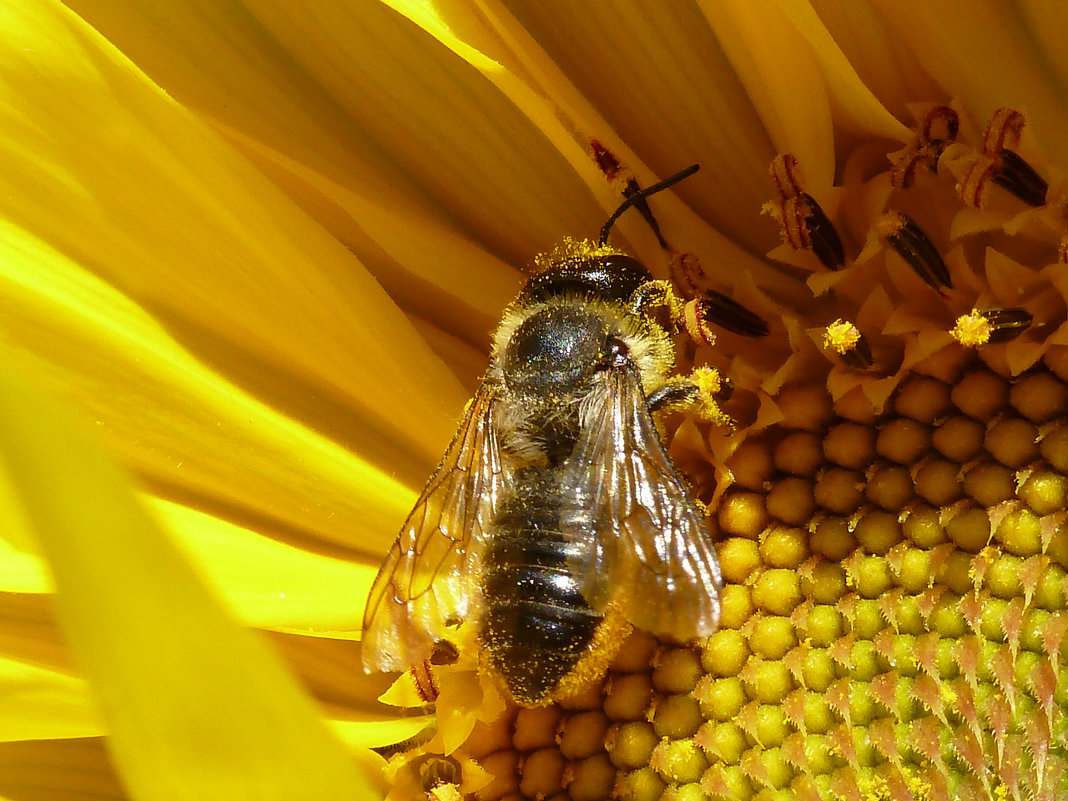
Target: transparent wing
pixel 430 576
pixel 652 553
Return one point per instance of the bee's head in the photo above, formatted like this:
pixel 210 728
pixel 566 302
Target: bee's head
pixel 602 276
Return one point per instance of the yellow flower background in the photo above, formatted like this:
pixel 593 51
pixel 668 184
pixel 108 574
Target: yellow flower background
pixel 250 256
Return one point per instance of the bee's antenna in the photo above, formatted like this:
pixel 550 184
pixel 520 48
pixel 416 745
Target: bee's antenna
pixel 641 195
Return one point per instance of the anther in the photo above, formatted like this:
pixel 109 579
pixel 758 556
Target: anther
pixel 440 777
pixel 937 130
pixel 990 326
pixel 721 310
pixel 1001 164
pixel 804 224
pixel 913 245
pixel 1020 178
pixel 845 339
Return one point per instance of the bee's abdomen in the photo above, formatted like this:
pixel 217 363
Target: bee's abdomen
pixel 536 625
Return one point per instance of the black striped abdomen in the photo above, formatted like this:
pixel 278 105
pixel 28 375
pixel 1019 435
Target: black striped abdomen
pixel 535 625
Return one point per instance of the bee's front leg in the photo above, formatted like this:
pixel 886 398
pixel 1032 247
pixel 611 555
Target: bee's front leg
pixel 700 392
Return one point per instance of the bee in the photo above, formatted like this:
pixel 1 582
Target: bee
pixel 556 519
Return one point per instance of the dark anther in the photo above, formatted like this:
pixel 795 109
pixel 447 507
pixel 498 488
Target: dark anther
pixel 859 356
pixel 726 389
pixel 913 245
pixel 638 197
pixel 826 243
pixel 728 313
pixel 1006 324
pixel 1018 177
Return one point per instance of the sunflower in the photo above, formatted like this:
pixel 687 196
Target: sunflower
pixel 250 257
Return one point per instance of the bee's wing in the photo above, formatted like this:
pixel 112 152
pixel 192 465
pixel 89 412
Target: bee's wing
pixel 652 553
pixel 430 575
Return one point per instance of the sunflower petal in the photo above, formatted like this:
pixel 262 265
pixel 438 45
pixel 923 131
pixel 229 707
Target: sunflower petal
pixel 196 706
pixel 103 166
pixel 58 769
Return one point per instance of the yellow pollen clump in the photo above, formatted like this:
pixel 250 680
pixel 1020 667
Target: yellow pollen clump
pixel 841 336
pixel 971 330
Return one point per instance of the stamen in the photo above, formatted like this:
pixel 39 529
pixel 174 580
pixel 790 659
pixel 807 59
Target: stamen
pixel 439 770
pixel 913 245
pixel 1000 163
pixel 990 326
pixel 936 131
pixel 804 224
pixel 423 678
pixel 845 339
pixel 697 325
pixel 1020 178
pixel 721 310
pixel 687 273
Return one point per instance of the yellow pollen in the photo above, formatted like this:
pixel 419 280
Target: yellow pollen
pixel 572 250
pixel 841 336
pixel 971 330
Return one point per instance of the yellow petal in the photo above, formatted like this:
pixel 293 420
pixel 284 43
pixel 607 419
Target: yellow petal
pixel 58 769
pixel 271 584
pixel 43 704
pixel 102 165
pixel 196 706
pixel 773 60
pixel 882 61
pixel 856 108
pixel 174 420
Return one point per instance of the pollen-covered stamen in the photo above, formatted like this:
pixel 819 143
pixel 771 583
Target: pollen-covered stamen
pixel 990 326
pixel 697 325
pixel 844 338
pixel 1001 164
pixel 804 225
pixel 913 245
pixel 937 130
pixel 719 309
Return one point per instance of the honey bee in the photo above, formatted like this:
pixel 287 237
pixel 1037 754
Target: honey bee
pixel 556 518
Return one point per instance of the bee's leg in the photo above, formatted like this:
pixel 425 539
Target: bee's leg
pixel 689 316
pixel 700 392
pixel 656 293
